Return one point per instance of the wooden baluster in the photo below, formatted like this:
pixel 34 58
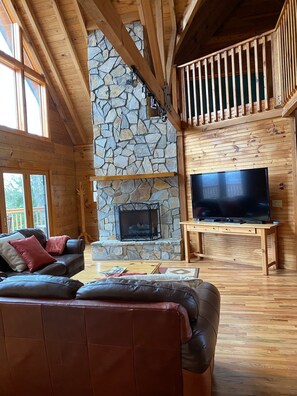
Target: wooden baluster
pixel 214 99
pixel 227 84
pixel 234 82
pixel 249 77
pixel 241 80
pixel 265 73
pixel 201 93
pixel 207 90
pixel 193 67
pixel 190 120
pixel 220 86
pixel 257 75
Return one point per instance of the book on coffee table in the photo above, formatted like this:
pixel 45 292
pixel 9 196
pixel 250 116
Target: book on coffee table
pixel 114 271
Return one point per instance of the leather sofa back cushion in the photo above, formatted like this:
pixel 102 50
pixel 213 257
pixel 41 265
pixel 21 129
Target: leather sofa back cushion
pixel 142 290
pixel 34 255
pixel 39 286
pixel 39 234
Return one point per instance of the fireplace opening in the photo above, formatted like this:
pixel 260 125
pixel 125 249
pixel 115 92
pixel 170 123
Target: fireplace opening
pixel 137 221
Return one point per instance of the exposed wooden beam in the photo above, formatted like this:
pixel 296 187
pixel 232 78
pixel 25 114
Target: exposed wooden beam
pixel 172 43
pixel 53 67
pixel 160 32
pixel 72 51
pixel 81 19
pixel 37 61
pixel 146 6
pixel 109 22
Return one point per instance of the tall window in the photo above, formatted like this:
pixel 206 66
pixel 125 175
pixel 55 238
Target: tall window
pixel 22 93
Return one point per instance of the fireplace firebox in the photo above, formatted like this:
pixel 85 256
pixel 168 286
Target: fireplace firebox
pixel 137 221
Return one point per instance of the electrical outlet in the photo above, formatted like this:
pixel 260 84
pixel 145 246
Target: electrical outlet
pixel 277 203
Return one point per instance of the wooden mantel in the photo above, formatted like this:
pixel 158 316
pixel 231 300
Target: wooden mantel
pixel 136 176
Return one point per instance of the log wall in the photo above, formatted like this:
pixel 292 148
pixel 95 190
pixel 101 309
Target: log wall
pixel 256 144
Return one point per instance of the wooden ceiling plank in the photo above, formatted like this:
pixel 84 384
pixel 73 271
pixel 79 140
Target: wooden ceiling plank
pixel 72 50
pixel 54 70
pixel 36 60
pixel 172 43
pixel 146 6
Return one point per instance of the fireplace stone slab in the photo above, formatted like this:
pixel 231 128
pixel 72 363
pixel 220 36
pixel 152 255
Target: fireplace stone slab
pixel 161 249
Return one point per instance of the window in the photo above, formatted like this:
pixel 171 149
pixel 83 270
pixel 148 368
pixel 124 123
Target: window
pixel 23 91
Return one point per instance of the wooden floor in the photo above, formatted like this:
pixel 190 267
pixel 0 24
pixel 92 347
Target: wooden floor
pixel 256 352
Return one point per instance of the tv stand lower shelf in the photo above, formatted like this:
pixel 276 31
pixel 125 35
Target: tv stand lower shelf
pixel 262 231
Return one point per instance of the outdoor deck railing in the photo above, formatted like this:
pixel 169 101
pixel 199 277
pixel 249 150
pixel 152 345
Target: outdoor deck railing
pixel 16 218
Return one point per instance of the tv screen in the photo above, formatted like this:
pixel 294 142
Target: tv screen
pixel 231 195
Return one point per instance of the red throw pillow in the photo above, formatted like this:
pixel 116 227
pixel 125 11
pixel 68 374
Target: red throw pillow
pixel 32 253
pixel 56 244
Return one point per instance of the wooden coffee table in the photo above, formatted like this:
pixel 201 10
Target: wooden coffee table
pixel 93 272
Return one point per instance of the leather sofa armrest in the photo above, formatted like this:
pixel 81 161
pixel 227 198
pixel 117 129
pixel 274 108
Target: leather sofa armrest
pixel 198 353
pixel 74 246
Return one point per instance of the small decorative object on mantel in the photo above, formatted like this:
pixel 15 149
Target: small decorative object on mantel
pixel 87 237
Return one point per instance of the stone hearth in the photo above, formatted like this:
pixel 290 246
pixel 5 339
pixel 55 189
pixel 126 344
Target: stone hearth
pixel 128 142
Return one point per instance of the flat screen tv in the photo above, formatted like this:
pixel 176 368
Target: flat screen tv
pixel 240 196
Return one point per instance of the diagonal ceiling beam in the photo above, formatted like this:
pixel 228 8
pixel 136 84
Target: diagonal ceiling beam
pixel 172 42
pixel 160 32
pixel 53 67
pixel 72 50
pixel 108 21
pixel 151 31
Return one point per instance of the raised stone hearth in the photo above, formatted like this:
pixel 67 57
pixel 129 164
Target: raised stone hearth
pixel 128 142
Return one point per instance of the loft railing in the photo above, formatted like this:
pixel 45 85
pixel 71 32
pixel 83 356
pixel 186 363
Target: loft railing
pixel 16 218
pixel 227 84
pixel 253 76
pixel 285 33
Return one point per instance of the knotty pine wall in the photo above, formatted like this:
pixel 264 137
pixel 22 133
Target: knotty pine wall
pixel 262 143
pixel 21 151
pixel 84 169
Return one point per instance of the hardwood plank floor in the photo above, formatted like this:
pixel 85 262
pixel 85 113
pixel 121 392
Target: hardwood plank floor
pixel 256 351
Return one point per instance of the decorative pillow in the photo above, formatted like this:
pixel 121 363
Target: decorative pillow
pixel 123 289
pixel 56 244
pixel 39 286
pixel 33 253
pixel 10 254
pixel 187 280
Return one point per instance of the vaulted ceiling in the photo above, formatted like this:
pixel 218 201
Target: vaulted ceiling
pixel 58 32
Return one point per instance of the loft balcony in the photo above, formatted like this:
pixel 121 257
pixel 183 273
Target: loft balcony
pixel 254 76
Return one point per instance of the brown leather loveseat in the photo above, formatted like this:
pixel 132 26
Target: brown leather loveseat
pixel 114 337
pixel 68 263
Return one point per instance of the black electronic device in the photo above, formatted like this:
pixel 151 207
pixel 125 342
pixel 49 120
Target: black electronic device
pixel 231 196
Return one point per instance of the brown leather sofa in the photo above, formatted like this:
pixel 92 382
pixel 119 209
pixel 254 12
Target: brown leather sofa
pixel 70 262
pixel 114 337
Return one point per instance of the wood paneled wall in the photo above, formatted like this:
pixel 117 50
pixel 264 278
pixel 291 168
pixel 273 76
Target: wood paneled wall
pixel 21 151
pixel 262 143
pixel 84 169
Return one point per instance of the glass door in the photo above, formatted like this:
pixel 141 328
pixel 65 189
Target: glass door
pixel 14 201
pixel 39 202
pixel 23 201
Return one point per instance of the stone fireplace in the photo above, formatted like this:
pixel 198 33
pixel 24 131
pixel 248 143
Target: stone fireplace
pixel 134 157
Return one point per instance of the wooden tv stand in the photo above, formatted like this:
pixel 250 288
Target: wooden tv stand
pixel 256 230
